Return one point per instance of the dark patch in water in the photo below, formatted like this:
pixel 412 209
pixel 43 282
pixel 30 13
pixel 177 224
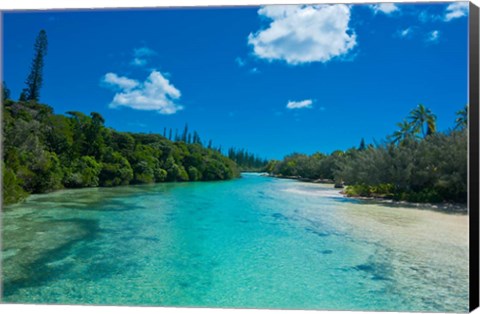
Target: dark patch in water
pixel 38 271
pixel 151 239
pixel 376 271
pixel 114 206
pixel 379 278
pixel 279 216
pixel 264 196
pixel 364 267
pixel 184 284
pixel 318 233
pixel 327 252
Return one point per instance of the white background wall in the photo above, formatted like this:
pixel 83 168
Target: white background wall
pixel 56 4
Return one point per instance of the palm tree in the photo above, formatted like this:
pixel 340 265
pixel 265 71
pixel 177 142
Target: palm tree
pixel 420 117
pixel 403 132
pixel 461 122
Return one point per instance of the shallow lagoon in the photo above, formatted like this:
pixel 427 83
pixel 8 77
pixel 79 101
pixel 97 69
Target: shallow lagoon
pixel 255 242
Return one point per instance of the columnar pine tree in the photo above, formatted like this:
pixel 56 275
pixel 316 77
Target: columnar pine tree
pixel 196 138
pixel 185 134
pixel 362 145
pixel 35 78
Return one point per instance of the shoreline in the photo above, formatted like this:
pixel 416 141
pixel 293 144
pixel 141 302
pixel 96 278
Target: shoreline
pixel 301 179
pixel 65 189
pixel 451 208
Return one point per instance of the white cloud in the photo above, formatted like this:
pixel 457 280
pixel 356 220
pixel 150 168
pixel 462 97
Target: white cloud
pixel 426 17
pixel 386 8
pixel 433 36
pixel 155 94
pixel 139 62
pixel 143 52
pixel 405 33
pixel 121 82
pixel 456 10
pixel 303 33
pixel 307 103
pixel 141 55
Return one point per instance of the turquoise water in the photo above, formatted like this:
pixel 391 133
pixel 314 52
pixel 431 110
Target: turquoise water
pixel 254 242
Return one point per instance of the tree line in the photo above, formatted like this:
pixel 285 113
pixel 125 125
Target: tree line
pixel 246 161
pixel 415 163
pixel 188 137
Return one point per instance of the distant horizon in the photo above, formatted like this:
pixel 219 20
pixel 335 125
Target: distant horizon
pixel 266 79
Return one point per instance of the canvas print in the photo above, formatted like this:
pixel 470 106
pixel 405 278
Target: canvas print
pixel 276 156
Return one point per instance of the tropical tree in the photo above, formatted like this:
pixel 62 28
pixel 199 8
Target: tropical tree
pixel 461 122
pixel 35 78
pixel 404 131
pixel 93 135
pixel 422 117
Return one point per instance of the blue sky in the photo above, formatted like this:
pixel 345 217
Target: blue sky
pixel 273 80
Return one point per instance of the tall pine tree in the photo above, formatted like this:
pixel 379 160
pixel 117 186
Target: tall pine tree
pixel 362 145
pixel 35 78
pixel 185 134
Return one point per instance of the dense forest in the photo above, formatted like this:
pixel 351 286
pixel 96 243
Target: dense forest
pixel 416 163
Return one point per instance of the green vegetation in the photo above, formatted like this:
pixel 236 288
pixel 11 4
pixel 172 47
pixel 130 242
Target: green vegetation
pixel 247 161
pixel 316 166
pixel 416 164
pixel 45 152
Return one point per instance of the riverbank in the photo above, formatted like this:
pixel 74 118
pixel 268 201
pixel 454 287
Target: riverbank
pixel 442 207
pixel 67 189
pixel 456 208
